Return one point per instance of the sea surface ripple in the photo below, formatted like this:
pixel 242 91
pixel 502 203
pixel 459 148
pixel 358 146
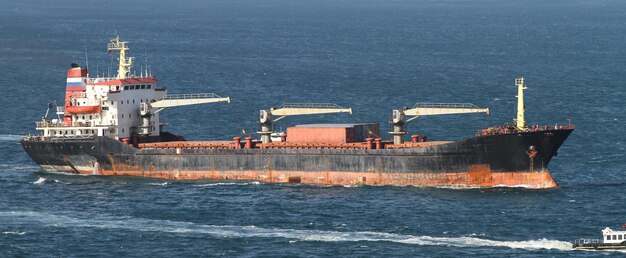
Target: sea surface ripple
pixel 371 55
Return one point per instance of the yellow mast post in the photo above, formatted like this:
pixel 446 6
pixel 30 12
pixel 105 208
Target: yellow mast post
pixel 520 121
pixel 124 63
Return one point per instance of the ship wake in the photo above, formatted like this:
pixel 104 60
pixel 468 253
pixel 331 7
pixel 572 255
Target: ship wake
pixel 228 184
pixel 291 235
pixel 10 137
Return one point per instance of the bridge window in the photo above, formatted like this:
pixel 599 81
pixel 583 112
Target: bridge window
pixel 125 87
pixel 608 237
pixel 148 86
pixel 133 101
pixel 619 237
pixel 143 87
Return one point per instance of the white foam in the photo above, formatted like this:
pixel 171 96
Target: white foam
pixel 146 225
pixel 12 167
pixel 228 183
pixel 464 187
pixel 517 186
pixel 161 184
pixel 458 187
pixel 19 233
pixel 10 137
pixel 39 181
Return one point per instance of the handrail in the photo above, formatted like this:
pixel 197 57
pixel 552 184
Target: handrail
pixel 312 105
pixel 444 105
pixel 41 138
pixel 586 241
pixel 191 96
pixel 76 95
pixel 40 124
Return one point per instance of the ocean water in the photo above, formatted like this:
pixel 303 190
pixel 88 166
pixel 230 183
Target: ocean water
pixel 371 55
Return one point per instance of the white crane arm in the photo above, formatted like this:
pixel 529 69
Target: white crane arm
pixel 295 109
pixel 431 109
pixel 177 100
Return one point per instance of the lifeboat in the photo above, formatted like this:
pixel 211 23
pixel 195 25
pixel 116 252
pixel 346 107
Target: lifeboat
pixel 82 109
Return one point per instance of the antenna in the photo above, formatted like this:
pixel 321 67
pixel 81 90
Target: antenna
pixel 110 67
pixel 145 54
pixel 86 57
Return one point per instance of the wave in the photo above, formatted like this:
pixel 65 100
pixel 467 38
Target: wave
pixel 471 187
pixel 39 181
pixel 19 233
pixel 177 227
pixel 42 180
pixel 160 184
pixel 10 137
pixel 229 183
pixel 13 167
pixel 61 182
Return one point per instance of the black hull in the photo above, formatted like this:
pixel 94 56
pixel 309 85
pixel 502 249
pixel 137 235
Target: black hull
pixel 478 161
pixel 600 246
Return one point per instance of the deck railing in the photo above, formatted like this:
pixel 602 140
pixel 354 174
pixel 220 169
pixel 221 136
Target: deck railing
pixel 191 96
pixel 41 124
pixel 312 105
pixel 444 105
pixel 582 241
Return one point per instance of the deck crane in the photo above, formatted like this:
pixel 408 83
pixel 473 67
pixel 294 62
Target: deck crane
pixel 294 109
pixel 147 110
pixel 428 109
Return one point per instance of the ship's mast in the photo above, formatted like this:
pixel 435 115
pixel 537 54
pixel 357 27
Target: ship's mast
pixel 520 121
pixel 124 63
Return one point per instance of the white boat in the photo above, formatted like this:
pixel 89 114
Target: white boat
pixel 611 239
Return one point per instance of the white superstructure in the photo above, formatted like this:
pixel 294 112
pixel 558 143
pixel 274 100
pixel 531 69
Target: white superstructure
pixel 610 236
pixel 125 107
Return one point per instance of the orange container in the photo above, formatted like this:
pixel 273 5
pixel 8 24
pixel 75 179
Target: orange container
pixel 341 134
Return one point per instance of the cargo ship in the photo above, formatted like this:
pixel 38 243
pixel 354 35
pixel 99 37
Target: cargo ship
pixel 110 126
pixel 611 240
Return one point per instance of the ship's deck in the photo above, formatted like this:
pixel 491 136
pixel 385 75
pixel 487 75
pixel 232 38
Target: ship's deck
pixel 281 145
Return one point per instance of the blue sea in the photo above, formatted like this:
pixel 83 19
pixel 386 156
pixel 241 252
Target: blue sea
pixel 371 55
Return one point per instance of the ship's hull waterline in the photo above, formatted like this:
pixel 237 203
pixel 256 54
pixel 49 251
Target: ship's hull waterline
pixel 501 160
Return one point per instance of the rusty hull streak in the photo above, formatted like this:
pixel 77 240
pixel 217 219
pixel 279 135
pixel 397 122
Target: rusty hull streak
pixel 478 176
